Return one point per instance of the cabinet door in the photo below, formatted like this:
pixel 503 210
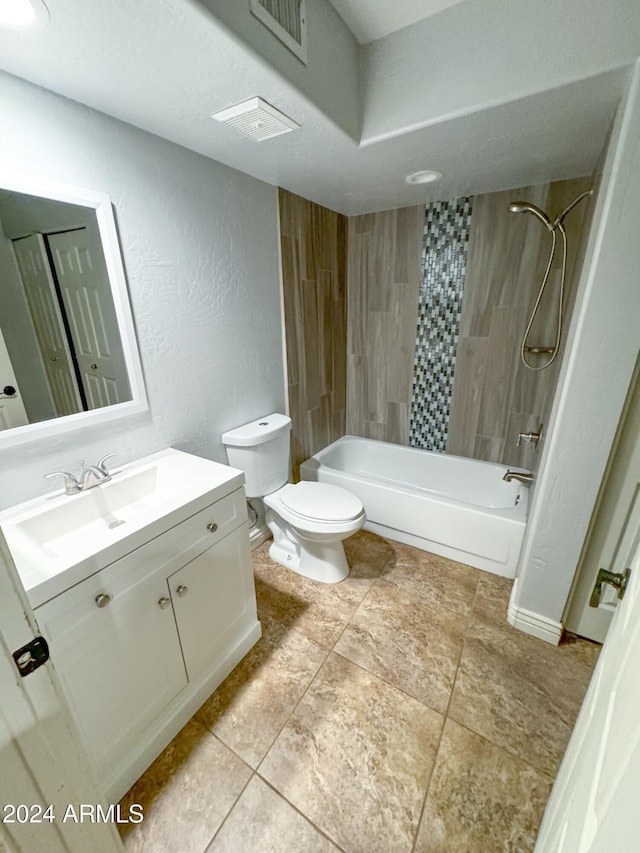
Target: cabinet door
pixel 214 601
pixel 120 663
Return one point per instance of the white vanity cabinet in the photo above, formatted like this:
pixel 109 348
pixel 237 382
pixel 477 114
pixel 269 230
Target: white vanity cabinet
pixel 212 600
pixel 140 644
pixel 115 646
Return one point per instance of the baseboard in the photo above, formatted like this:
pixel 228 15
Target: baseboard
pixel 258 534
pixel 535 624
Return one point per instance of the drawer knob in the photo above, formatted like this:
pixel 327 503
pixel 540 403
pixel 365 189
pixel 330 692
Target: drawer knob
pixel 212 527
pixel 163 603
pixel 182 590
pixel 103 599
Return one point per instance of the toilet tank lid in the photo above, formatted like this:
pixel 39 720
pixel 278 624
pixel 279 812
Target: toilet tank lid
pixel 257 432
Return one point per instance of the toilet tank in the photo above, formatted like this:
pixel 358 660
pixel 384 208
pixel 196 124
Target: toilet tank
pixel 261 450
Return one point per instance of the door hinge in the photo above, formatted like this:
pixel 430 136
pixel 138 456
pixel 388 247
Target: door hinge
pixel 620 581
pixel 31 656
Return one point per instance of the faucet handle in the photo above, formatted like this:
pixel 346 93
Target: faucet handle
pixel 100 464
pixel 71 484
pixel 531 437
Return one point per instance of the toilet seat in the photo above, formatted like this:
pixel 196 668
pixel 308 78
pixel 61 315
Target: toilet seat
pixel 312 523
pixel 321 502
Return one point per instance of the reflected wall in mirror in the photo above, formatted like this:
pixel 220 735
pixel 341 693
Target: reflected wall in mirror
pixel 68 354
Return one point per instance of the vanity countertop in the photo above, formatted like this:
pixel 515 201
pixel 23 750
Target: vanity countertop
pixel 59 540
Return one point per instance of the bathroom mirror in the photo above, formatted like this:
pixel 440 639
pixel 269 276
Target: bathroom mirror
pixel 68 352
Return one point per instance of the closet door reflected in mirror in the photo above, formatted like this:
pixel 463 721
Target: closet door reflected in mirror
pixel 59 323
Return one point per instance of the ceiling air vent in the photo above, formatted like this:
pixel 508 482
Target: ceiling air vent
pixel 287 20
pixel 257 119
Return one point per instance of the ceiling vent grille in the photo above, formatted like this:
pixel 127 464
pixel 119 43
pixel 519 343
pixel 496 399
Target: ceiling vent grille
pixel 287 20
pixel 257 119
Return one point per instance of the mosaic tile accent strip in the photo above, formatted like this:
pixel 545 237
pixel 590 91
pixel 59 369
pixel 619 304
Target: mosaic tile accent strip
pixel 444 256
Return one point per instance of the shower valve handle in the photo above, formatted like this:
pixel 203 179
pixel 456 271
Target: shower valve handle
pixel 530 437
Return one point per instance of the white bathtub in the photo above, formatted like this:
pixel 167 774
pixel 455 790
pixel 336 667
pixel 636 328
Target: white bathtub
pixel 452 506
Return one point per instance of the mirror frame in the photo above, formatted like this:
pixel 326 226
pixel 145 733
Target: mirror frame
pixel 101 204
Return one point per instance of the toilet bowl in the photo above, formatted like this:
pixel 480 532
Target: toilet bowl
pixel 309 522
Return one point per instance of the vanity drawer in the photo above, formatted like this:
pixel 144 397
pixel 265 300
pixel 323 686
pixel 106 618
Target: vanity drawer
pixel 212 524
pixel 195 534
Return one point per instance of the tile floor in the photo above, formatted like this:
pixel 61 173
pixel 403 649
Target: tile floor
pixel 395 711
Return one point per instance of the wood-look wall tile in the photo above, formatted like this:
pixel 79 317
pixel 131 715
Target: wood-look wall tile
pixel 339 372
pixel 400 344
pixel 382 248
pixel 325 338
pixel 377 382
pixel 356 393
pixel 292 310
pixel 338 424
pixel 467 396
pixel 409 227
pixel 506 261
pixel 501 353
pixel 384 253
pixel 299 434
pixel 375 430
pixel 363 224
pixel 340 268
pixel 357 299
pixel 488 448
pixel 319 425
pixel 311 334
pixel 396 428
pixel 314 286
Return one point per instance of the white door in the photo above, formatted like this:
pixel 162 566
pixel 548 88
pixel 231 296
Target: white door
pixel 12 411
pixel 39 289
pixel 86 294
pixel 613 529
pixel 42 763
pixel 593 806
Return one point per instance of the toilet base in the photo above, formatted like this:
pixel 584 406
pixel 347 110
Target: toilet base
pixel 318 559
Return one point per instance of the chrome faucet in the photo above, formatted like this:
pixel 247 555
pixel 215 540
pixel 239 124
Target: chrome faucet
pixel 90 476
pixel 520 476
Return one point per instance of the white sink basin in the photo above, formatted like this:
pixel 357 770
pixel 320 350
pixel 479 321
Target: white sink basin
pixel 58 540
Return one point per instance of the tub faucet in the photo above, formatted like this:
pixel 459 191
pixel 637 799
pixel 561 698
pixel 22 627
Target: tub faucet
pixel 521 477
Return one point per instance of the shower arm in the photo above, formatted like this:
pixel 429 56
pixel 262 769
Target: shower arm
pixel 560 219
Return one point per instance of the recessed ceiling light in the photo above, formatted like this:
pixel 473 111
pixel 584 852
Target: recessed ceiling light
pixel 22 14
pixel 425 176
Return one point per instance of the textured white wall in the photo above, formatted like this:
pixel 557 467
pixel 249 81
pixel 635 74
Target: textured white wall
pixel 601 353
pixel 200 249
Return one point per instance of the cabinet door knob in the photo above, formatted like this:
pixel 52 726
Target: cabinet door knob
pixel 163 603
pixel 182 590
pixel 212 527
pixel 103 599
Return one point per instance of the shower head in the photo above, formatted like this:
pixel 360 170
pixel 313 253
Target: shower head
pixel 527 207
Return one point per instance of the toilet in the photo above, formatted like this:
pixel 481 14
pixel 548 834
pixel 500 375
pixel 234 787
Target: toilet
pixel 308 520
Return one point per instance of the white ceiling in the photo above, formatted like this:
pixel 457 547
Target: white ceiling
pixel 462 91
pixel 369 20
